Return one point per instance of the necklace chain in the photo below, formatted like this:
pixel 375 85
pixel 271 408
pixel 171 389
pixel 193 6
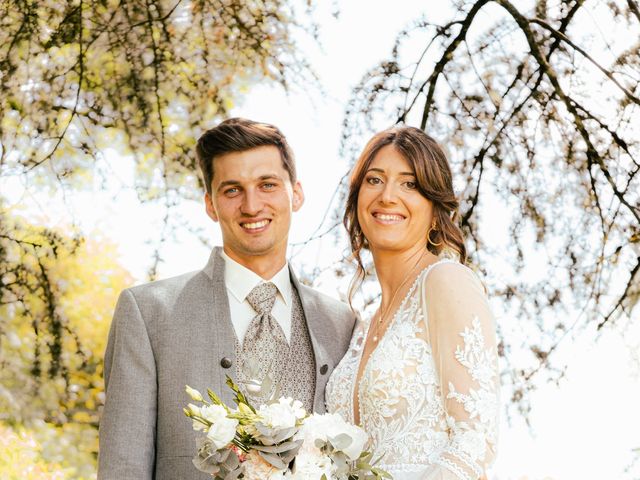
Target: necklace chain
pixel 382 315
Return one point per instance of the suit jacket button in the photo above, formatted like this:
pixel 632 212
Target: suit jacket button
pixel 226 362
pixel 323 369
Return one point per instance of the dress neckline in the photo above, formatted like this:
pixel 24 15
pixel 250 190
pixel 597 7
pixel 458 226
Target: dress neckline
pixel 357 379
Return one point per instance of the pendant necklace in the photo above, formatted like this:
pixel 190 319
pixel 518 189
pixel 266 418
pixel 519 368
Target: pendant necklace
pixel 384 314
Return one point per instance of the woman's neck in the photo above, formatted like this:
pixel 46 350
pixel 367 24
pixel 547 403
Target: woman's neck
pixel 397 269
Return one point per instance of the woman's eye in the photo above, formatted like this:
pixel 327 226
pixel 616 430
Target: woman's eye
pixel 374 181
pixel 411 185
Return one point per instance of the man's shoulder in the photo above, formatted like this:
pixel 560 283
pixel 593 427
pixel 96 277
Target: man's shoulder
pixel 168 288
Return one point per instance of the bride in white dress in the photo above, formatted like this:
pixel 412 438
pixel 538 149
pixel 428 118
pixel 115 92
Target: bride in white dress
pixel 421 375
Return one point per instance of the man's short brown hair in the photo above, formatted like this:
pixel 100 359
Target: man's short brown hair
pixel 237 135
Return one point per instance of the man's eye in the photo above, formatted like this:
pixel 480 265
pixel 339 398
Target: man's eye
pixel 268 186
pixel 231 191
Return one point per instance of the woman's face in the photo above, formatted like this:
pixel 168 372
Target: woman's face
pixel 392 213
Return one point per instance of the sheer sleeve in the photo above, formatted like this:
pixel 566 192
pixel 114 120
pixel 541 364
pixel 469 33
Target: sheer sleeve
pixel 462 335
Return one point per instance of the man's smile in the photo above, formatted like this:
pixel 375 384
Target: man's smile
pixel 255 226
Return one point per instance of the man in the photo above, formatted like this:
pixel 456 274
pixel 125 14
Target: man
pixel 244 315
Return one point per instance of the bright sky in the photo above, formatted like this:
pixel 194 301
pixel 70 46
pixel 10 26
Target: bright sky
pixel 583 429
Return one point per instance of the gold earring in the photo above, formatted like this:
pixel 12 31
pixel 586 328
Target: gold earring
pixel 433 227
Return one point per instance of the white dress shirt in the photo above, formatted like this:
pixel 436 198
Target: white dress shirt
pixel 239 281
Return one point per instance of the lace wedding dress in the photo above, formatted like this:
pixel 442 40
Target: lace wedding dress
pixel 428 394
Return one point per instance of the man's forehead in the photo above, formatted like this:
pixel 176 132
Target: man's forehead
pixel 249 166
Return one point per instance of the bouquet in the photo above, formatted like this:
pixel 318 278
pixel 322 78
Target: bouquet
pixel 276 441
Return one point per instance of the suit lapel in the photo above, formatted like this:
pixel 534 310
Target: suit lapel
pixel 224 335
pixel 313 313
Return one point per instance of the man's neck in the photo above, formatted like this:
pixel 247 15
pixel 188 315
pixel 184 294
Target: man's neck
pixel 265 266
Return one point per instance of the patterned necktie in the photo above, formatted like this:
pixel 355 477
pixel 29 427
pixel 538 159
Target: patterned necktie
pixel 264 346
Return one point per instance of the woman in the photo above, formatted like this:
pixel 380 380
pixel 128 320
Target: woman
pixel 421 375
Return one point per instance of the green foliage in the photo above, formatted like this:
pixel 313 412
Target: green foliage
pixel 57 297
pixel 45 452
pixel 21 458
pixel 78 77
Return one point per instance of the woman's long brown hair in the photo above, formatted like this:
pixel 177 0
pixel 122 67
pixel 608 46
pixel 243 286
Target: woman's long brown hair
pixel 434 182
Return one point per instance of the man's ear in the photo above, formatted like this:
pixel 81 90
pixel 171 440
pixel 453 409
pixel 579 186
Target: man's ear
pixel 298 196
pixel 211 211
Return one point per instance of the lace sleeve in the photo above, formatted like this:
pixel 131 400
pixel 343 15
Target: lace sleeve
pixel 462 336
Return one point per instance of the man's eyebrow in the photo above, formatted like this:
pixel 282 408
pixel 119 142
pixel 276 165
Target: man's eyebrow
pixel 227 183
pixel 380 170
pixel 268 176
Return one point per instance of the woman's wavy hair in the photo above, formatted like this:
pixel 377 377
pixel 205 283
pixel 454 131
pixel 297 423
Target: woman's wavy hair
pixel 434 182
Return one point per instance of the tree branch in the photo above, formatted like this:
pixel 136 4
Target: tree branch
pixel 630 283
pixel 580 50
pixel 444 60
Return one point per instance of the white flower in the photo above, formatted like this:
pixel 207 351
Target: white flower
pixel 332 428
pixel 209 413
pixel 256 468
pixel 283 414
pixel 222 432
pixel 194 394
pixel 213 413
pixel 194 409
pixel 310 466
pixel 198 425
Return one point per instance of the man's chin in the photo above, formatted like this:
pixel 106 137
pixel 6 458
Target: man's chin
pixel 257 250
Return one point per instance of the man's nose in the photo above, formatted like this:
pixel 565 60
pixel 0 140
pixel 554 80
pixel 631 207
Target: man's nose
pixel 251 204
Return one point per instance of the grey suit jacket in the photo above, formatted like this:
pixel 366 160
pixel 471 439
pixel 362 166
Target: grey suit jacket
pixel 173 332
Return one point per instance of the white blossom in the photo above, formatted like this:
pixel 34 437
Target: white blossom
pixel 222 432
pixel 327 428
pixel 213 413
pixel 283 414
pixel 310 466
pixel 194 394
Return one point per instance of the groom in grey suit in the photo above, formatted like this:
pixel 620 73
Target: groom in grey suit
pixel 245 314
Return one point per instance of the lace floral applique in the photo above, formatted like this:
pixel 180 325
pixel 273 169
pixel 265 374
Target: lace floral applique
pixel 405 400
pixel 469 440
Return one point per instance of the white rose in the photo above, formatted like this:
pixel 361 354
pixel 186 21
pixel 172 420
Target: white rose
pixel 327 428
pixel 222 432
pixel 213 413
pixel 358 441
pixel 283 414
pixel 310 466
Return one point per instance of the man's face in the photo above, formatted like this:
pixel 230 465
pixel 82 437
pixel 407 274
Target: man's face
pixel 252 198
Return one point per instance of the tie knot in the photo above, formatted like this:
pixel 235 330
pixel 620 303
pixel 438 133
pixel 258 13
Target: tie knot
pixel 262 297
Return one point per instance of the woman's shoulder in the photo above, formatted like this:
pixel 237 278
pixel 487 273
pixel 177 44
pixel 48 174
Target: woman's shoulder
pixel 448 276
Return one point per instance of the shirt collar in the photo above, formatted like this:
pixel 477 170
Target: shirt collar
pixel 239 280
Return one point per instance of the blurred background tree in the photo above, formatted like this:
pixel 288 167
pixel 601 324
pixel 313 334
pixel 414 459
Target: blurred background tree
pixel 77 77
pixel 537 115
pixel 540 119
pixel 58 294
